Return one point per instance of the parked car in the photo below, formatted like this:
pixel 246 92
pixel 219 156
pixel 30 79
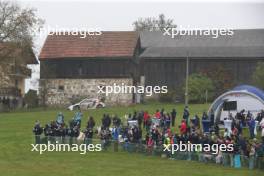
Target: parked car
pixel 87 103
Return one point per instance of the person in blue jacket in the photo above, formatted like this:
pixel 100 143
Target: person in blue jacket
pixel 251 126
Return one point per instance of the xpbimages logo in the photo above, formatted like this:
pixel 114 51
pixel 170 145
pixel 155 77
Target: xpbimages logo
pixel 124 89
pixel 50 147
pixel 189 147
pixel 183 31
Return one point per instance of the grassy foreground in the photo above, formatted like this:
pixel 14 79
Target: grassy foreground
pixel 17 159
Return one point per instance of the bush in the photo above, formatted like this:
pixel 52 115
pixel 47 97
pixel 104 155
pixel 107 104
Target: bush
pixel 198 86
pixel 258 75
pixel 168 97
pixel 31 99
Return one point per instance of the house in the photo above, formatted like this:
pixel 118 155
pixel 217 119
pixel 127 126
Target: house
pixel 13 72
pixel 72 67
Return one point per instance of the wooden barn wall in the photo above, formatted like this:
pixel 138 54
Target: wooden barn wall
pixel 107 68
pixel 171 72
pixel 163 72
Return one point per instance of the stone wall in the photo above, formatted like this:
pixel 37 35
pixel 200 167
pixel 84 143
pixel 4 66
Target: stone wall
pixel 63 92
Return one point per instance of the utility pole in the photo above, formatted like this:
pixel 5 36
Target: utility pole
pixel 206 96
pixel 187 78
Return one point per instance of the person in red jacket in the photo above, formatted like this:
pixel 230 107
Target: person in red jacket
pixel 157 114
pixel 150 145
pixel 183 127
pixel 146 118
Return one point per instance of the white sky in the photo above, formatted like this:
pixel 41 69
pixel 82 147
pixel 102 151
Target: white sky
pixel 119 15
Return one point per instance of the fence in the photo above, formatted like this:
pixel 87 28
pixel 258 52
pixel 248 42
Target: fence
pixel 226 159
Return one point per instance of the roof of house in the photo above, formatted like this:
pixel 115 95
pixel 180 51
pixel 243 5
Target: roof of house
pixel 11 50
pixel 108 44
pixel 244 43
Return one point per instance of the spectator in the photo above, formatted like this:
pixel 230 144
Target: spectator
pixel 150 145
pixel 183 127
pixel 204 116
pixel 37 130
pixel 88 132
pixel 90 123
pixel 262 127
pixel 186 114
pixel 115 134
pixel 140 118
pixel 157 114
pixel 251 126
pixel 116 121
pixel 146 118
pixel 173 116
pixel 167 120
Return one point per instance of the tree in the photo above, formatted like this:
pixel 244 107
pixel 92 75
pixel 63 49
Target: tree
pixel 200 87
pixel 43 92
pixel 258 75
pixel 221 77
pixel 18 27
pixel 153 24
pixel 31 99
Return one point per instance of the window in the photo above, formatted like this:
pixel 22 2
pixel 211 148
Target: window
pixel 80 69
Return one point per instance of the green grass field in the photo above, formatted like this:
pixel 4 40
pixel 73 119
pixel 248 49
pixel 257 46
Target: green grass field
pixel 17 159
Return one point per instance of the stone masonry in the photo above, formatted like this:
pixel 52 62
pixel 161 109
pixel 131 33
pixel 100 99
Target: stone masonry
pixel 63 92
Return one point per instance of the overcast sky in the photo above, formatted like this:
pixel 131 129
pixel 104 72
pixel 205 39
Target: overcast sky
pixel 120 15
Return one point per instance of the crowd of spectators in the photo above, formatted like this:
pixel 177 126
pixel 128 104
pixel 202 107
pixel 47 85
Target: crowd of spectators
pixel 7 104
pixel 154 130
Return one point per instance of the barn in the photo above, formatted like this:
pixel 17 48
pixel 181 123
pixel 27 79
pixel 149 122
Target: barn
pixel 164 58
pixel 72 67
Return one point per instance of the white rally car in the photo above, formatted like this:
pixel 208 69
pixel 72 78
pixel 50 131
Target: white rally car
pixel 87 103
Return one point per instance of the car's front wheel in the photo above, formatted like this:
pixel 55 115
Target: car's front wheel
pixel 99 106
pixel 76 107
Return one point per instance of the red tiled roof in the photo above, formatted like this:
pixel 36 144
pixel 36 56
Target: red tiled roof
pixel 108 44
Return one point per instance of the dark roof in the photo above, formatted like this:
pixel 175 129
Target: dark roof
pixel 108 44
pixel 244 43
